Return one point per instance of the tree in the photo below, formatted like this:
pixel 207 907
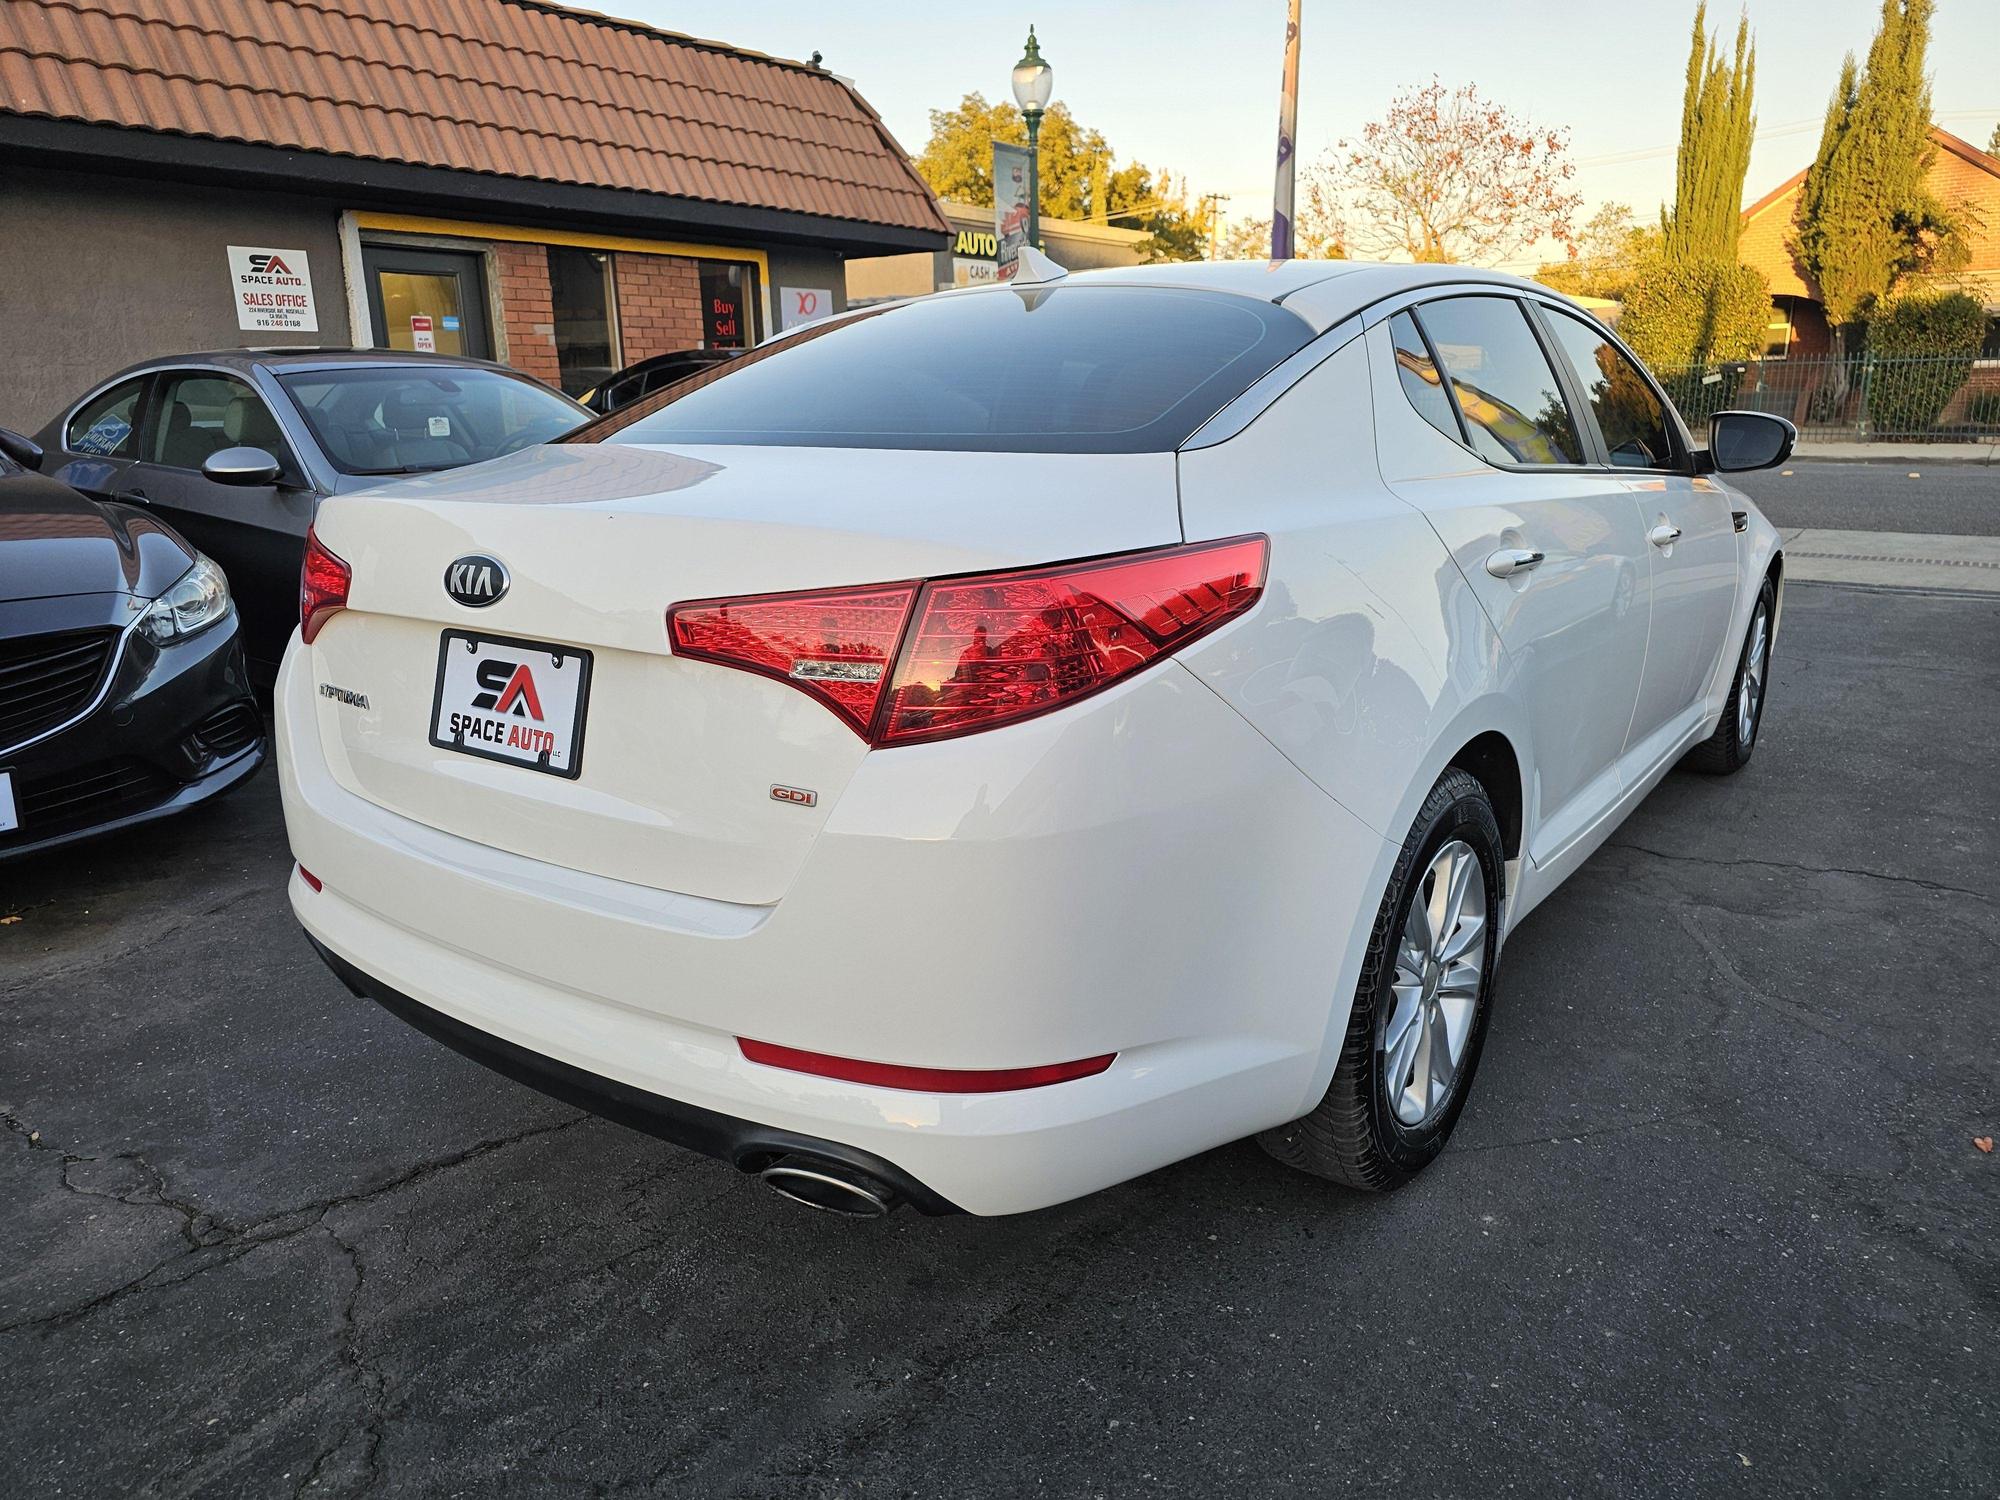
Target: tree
pixel 1691 303
pixel 1867 218
pixel 1606 258
pixel 1717 123
pixel 1448 175
pixel 1317 232
pixel 1689 314
pixel 1927 342
pixel 1993 142
pixel 1078 177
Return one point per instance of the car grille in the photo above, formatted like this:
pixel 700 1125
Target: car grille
pixel 59 801
pixel 47 679
pixel 229 730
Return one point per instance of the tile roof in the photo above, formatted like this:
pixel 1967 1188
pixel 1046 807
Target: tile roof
pixel 517 88
pixel 1962 175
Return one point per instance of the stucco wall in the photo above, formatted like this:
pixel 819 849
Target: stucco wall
pixel 820 270
pixel 99 271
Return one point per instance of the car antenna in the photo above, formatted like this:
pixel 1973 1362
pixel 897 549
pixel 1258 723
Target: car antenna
pixel 1033 268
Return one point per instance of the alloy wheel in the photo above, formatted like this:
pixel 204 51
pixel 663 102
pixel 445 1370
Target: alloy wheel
pixel 1756 661
pixel 1435 992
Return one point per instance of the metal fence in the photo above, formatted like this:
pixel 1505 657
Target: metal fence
pixel 1860 398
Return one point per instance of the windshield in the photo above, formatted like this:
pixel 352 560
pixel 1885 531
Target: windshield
pixel 405 419
pixel 1028 370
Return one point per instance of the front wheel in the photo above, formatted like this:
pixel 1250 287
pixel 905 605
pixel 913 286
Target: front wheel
pixel 1419 1017
pixel 1729 748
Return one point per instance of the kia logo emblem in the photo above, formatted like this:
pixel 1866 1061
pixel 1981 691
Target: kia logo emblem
pixel 476 580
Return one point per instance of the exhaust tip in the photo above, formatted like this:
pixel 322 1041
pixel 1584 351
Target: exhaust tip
pixel 829 1187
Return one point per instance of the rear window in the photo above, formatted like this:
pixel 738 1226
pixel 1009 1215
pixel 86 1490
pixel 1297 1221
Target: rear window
pixel 1026 370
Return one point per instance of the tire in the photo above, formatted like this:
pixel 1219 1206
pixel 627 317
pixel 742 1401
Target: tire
pixel 1359 1134
pixel 1728 750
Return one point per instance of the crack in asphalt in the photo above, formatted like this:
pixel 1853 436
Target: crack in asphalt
pixel 370 1382
pixel 224 1241
pixel 1779 864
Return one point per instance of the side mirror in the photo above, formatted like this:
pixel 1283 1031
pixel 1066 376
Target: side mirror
pixel 1743 440
pixel 241 466
pixel 24 451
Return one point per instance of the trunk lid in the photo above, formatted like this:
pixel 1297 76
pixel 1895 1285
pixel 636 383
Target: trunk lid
pixel 679 759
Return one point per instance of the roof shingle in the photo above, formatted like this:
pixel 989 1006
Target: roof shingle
pixel 517 88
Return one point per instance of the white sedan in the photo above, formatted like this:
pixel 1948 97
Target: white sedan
pixel 975 751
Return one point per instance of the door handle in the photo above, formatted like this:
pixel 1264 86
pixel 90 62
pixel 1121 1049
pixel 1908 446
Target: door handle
pixel 1511 560
pixel 1664 535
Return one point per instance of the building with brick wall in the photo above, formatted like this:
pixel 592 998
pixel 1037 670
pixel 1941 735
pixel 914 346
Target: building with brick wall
pixel 512 179
pixel 1961 175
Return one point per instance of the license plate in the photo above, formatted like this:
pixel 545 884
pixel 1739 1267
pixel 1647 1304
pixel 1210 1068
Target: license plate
pixel 520 702
pixel 10 819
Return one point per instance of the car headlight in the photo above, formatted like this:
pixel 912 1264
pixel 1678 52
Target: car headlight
pixel 199 598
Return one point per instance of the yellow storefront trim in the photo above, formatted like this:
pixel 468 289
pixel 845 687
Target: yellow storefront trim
pixel 466 229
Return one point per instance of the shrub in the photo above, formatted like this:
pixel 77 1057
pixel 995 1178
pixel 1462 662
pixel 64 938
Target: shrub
pixel 1985 409
pixel 1681 314
pixel 1923 349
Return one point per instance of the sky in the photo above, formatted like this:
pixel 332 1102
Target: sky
pixel 1194 87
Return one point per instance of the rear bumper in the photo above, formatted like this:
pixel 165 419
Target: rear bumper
pixel 1141 875
pixel 741 1143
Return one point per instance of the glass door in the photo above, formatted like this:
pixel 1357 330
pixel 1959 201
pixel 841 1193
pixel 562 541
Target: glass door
pixel 427 301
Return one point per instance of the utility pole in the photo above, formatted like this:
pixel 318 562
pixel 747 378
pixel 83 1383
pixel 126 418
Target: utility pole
pixel 1214 219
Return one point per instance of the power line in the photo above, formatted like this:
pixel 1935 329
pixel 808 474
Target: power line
pixel 1790 127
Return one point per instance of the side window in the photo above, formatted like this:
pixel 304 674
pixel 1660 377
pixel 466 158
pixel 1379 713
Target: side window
pixel 202 413
pixel 108 426
pixel 1419 374
pixel 1509 396
pixel 1630 416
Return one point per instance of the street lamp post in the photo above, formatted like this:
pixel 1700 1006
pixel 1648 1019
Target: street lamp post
pixel 1034 81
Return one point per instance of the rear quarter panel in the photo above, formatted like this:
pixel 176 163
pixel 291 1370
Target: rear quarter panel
pixel 1368 662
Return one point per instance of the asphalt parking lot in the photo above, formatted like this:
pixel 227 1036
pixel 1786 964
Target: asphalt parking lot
pixel 1714 1221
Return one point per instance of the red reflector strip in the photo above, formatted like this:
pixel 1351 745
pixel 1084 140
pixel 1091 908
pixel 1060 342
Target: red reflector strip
pixel 924 1080
pixel 310 878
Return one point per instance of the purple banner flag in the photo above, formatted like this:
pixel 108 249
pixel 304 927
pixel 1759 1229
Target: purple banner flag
pixel 1288 124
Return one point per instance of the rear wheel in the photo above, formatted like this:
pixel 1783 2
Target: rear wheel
pixel 1729 748
pixel 1419 1016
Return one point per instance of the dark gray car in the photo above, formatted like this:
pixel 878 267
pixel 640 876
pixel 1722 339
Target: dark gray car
pixel 234 449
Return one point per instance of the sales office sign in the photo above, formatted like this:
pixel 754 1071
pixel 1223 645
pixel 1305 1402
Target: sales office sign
pixel 273 289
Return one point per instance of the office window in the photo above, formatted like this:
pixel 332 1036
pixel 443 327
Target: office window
pixel 728 304
pixel 586 334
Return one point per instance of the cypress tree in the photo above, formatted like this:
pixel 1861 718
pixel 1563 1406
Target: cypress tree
pixel 1692 303
pixel 1717 123
pixel 1866 217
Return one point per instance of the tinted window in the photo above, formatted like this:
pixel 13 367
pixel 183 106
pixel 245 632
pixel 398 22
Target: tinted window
pixel 108 425
pixel 410 419
pixel 1419 374
pixel 1512 403
pixel 201 414
pixel 1034 370
pixel 1630 416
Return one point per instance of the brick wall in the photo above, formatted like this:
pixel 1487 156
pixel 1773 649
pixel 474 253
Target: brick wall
pixel 659 304
pixel 528 309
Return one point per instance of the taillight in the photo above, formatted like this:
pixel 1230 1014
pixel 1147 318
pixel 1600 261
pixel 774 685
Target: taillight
pixel 323 581
pixel 835 645
pixel 974 653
